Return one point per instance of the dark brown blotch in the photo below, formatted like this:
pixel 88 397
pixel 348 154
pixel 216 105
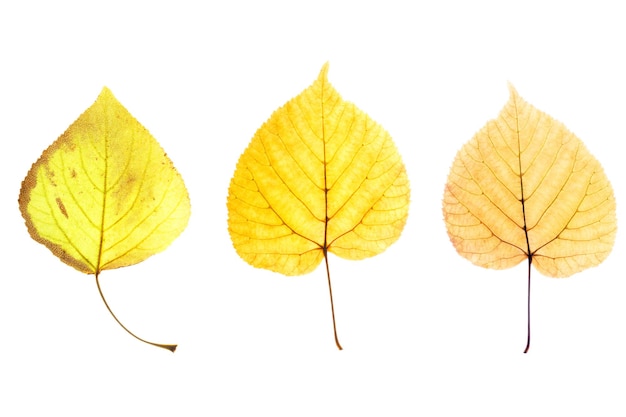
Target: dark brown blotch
pixel 61 207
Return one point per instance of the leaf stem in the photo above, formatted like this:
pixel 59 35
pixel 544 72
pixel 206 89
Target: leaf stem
pixel 530 261
pixel 332 306
pixel 171 348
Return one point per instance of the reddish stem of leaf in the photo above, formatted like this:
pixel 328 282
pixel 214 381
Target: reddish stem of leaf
pixel 171 348
pixel 332 306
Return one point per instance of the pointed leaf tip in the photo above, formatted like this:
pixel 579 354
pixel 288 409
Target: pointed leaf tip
pixel 323 76
pixel 105 93
pixel 511 87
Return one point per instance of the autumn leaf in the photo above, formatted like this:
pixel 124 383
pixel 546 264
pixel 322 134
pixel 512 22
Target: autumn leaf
pixel 319 176
pixel 105 195
pixel 525 188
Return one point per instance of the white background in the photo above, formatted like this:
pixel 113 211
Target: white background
pixel 424 331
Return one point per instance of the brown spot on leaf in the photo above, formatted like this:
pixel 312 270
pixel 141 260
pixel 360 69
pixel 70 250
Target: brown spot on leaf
pixel 61 207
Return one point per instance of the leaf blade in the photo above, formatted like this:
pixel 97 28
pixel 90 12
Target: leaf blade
pixel 318 175
pixel 525 176
pixel 104 194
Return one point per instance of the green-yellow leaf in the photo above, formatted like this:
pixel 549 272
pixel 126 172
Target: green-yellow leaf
pixel 526 188
pixel 104 195
pixel 319 176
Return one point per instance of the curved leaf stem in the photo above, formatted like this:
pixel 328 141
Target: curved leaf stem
pixel 332 306
pixel 171 348
pixel 530 261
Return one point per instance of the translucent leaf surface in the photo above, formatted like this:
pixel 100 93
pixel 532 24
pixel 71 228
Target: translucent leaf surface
pixel 319 176
pixel 525 185
pixel 104 195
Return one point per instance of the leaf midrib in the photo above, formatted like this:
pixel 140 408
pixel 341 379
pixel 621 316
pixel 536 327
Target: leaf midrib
pixel 521 180
pixel 104 194
pixel 325 247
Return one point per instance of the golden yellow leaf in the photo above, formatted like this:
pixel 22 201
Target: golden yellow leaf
pixel 525 188
pixel 319 176
pixel 104 195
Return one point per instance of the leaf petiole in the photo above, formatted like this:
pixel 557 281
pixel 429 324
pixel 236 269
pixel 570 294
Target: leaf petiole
pixel 171 348
pixel 332 306
pixel 530 261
